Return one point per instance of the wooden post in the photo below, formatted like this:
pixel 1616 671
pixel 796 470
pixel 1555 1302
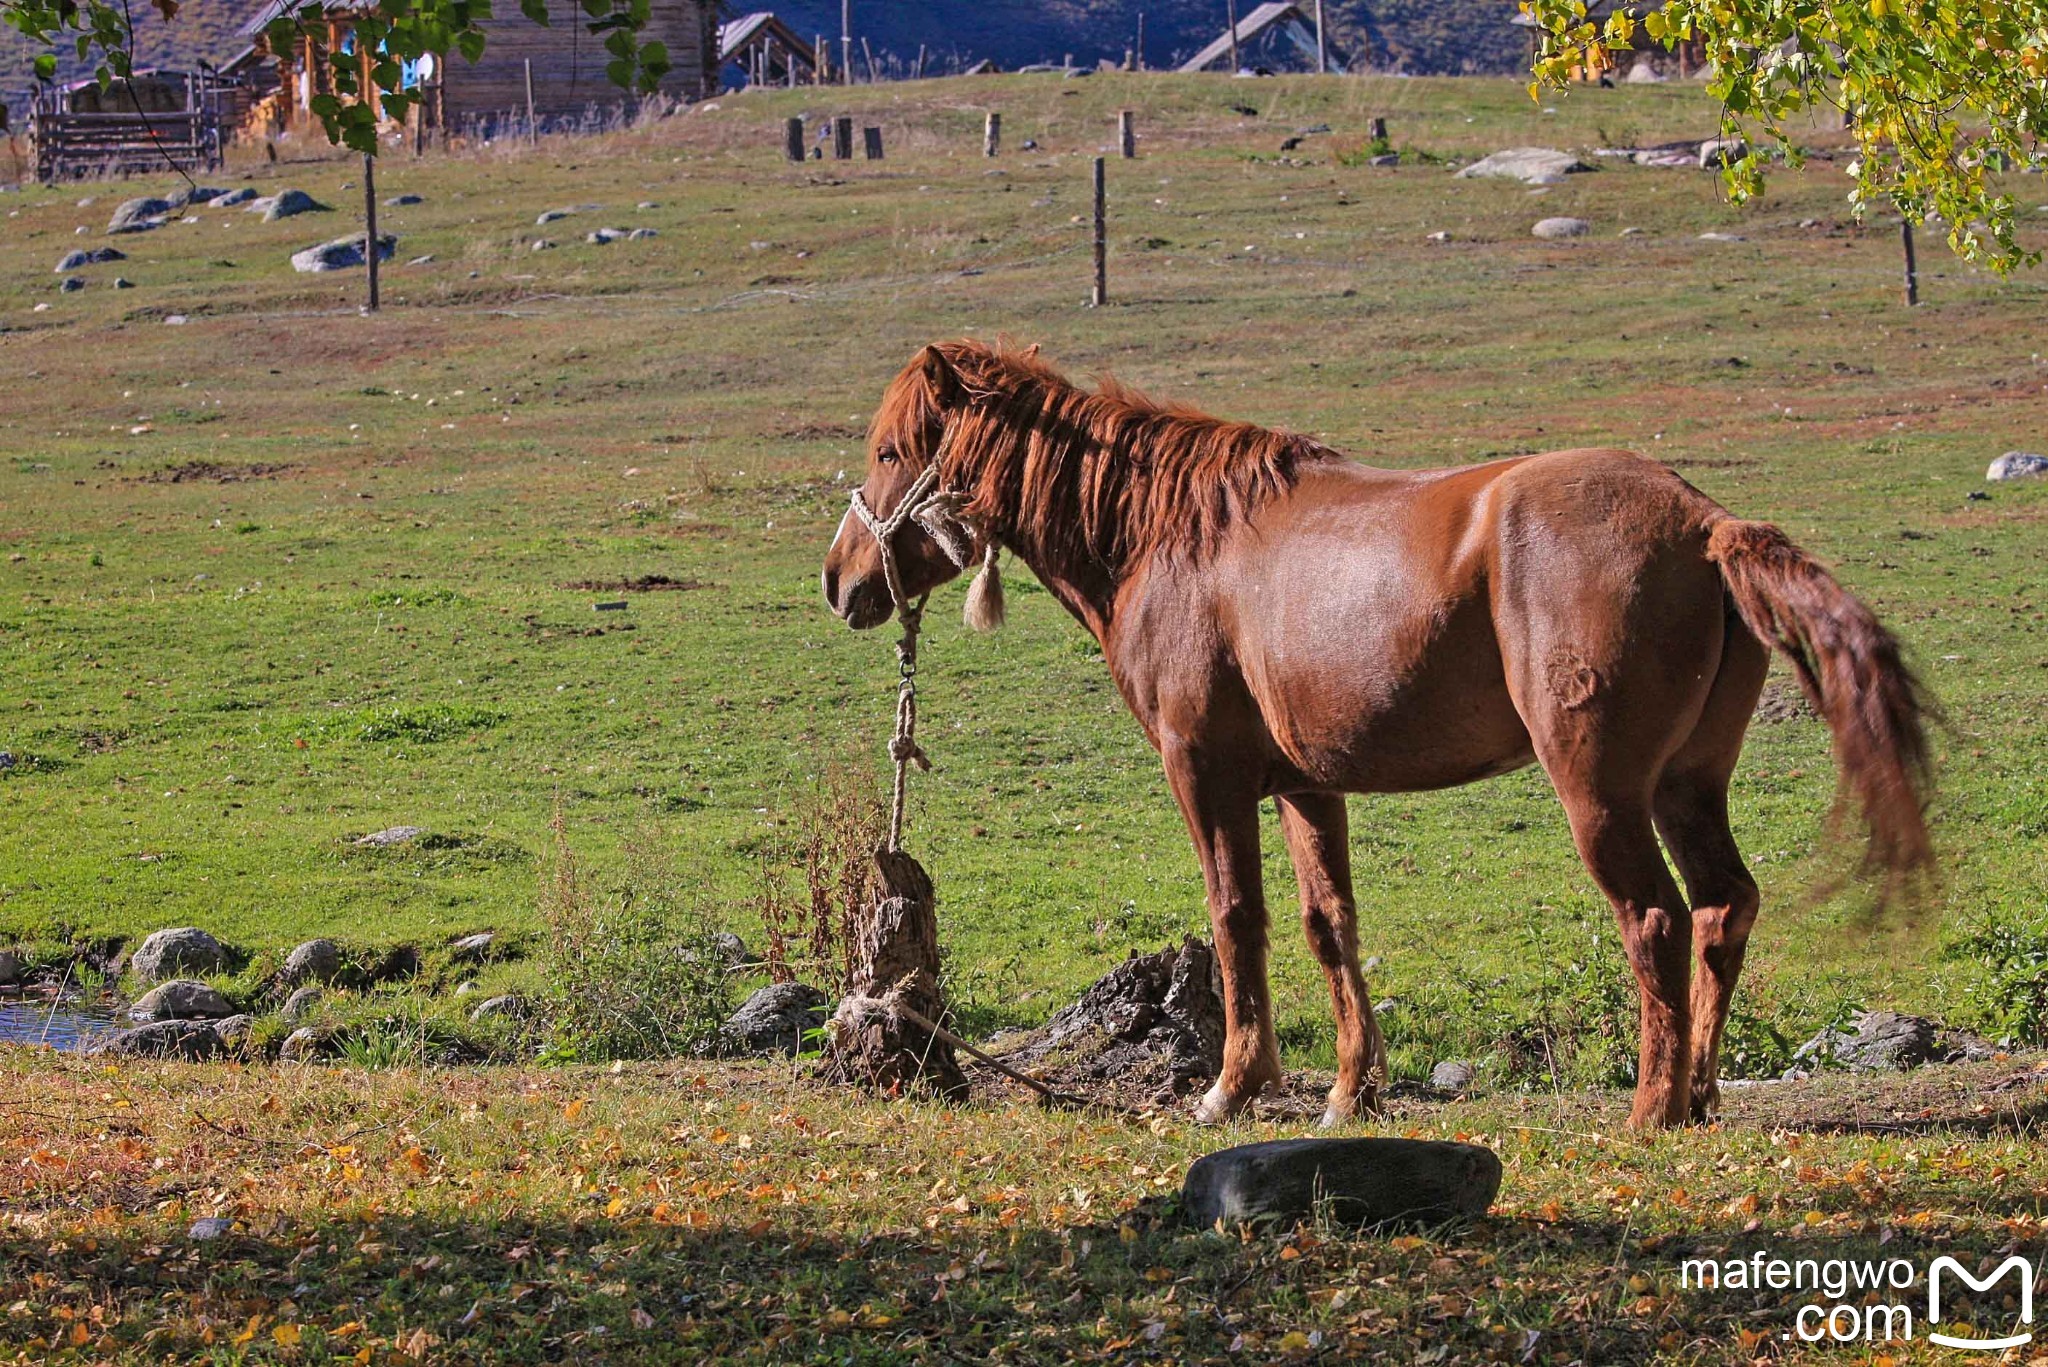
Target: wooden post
pixel 896 962
pixel 842 138
pixel 874 76
pixel 821 61
pixel 1230 11
pixel 871 142
pixel 1377 130
pixel 793 137
pixel 532 125
pixel 1100 295
pixel 1141 40
pixel 370 221
pixel 918 73
pixel 991 133
pixel 1322 46
pixel 1912 263
pixel 846 42
pixel 1126 135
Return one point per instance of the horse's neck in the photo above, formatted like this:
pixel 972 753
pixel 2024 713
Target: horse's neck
pixel 1083 584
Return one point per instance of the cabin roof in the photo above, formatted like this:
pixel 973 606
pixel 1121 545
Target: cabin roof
pixel 1250 28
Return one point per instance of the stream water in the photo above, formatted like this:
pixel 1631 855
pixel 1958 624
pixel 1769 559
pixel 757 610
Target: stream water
pixel 71 1023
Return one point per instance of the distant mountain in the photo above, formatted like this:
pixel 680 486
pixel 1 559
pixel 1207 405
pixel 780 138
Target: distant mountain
pixel 203 31
pixel 1420 37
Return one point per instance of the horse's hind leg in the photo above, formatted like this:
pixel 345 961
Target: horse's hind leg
pixel 1692 816
pixel 1318 841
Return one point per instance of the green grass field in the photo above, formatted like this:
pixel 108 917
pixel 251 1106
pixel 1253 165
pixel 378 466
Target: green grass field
pixel 281 575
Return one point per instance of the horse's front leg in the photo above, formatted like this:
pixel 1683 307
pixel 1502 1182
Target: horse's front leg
pixel 1317 834
pixel 1222 812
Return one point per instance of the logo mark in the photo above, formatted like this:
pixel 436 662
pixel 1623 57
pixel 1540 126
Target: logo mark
pixel 2015 1263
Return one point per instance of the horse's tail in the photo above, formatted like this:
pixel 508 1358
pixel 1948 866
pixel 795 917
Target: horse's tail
pixel 1852 672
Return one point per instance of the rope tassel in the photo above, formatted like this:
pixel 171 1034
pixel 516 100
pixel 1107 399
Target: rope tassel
pixel 984 608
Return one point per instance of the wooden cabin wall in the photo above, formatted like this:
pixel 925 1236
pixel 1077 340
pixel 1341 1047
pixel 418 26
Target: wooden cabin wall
pixel 569 63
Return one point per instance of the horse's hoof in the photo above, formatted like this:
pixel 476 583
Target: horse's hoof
pixel 1213 1109
pixel 1333 1117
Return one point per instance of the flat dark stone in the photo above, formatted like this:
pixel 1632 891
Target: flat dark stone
pixel 1359 1182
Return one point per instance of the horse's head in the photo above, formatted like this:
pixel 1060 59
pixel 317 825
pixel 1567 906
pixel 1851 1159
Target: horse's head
pixel 903 441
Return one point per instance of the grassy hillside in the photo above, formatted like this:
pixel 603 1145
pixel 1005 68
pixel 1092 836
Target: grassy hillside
pixel 281 575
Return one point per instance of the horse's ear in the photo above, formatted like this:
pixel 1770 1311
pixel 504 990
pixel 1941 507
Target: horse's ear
pixel 942 377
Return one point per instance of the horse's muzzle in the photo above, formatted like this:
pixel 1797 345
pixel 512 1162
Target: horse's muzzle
pixel 861 604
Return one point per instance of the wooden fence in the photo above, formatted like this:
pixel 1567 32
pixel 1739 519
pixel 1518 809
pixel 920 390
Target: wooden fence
pixel 74 146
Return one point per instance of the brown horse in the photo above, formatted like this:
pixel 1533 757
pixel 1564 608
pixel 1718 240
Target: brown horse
pixel 1285 623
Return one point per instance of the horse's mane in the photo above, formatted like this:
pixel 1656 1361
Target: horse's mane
pixel 1107 476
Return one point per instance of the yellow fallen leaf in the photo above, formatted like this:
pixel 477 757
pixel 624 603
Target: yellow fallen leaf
pixel 287 1335
pixel 573 1109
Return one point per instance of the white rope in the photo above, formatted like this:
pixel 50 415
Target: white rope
pixel 941 514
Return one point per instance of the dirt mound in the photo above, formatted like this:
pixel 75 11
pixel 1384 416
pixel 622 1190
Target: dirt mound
pixel 645 583
pixel 1150 1029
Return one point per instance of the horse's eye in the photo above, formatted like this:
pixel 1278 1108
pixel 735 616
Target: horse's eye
pixel 887 455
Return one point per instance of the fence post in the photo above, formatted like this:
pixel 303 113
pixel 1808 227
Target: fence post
pixel 1126 135
pixel 918 74
pixel 1230 12
pixel 793 137
pixel 842 138
pixel 1322 47
pixel 532 127
pixel 1100 295
pixel 1912 263
pixel 370 224
pixel 821 62
pixel 871 140
pixel 991 134
pixel 874 76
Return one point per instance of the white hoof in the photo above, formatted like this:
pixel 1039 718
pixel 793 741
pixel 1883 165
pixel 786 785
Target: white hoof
pixel 1213 1108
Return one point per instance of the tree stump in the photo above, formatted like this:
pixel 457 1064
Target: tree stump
pixel 868 1042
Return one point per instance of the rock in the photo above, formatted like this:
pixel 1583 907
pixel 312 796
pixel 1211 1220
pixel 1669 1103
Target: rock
pixel 774 1020
pixel 285 204
pixel 401 201
pixel 474 949
pixel 646 204
pixel 11 967
pixel 1722 237
pixel 183 950
pixel 315 961
pixel 241 195
pixel 552 216
pixel 307 1042
pixel 426 260
pixel 1157 1016
pixel 605 235
pixel 1718 152
pixel 1530 165
pixel 194 194
pixel 175 320
pixel 72 285
pixel 139 216
pixel 181 999
pixel 2017 465
pixel 83 257
pixel 1878 1041
pixel 1385 159
pixel 300 1004
pixel 541 244
pixel 510 1007
pixel 391 835
pixel 1452 1075
pixel 235 1032
pixel 465 988
pixel 122 282
pixel 1438 236
pixel 730 949
pixel 1553 229
pixel 1632 232
pixel 212 1227
pixel 642 234
pixel 191 1040
pixel 1644 72
pixel 343 253
pixel 1356 1182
